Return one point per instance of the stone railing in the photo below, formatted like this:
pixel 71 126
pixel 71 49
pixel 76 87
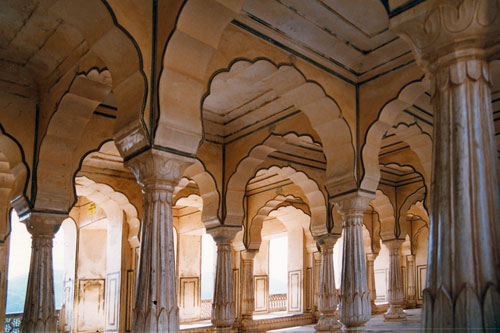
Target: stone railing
pixel 206 309
pixel 277 302
pixel 12 322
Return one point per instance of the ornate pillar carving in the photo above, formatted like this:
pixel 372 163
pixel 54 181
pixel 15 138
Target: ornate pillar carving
pixel 247 288
pixel 316 279
pixel 156 308
pixel 395 293
pixel 453 42
pixel 223 300
pixel 355 307
pixel 411 298
pixel 39 311
pixel 327 301
pixel 370 279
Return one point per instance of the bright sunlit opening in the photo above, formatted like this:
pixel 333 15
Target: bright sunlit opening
pixel 278 265
pixel 19 265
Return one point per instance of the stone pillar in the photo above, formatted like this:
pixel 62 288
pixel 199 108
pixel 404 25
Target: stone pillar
pixel 355 307
pixel 247 288
pixel 411 298
pixel 453 42
pixel 327 292
pixel 370 278
pixel 316 279
pixel 4 272
pixel 39 311
pixel 223 300
pixel 395 293
pixel 156 308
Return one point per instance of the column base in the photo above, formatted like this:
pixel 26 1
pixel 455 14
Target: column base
pixel 379 309
pixel 328 323
pixel 411 304
pixel 225 329
pixel 246 324
pixel 395 313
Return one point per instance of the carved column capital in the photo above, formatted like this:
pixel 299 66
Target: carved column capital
pixel 439 32
pixel 371 257
pixel 157 168
pixel 394 244
pixel 43 224
pixel 248 254
pixel 223 234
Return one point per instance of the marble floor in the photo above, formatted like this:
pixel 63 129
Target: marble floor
pixel 375 324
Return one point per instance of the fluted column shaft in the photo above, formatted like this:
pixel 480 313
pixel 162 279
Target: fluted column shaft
pixel 39 311
pixel 412 290
pixel 370 277
pixel 223 301
pixel 247 287
pixel 316 279
pixel 453 42
pixel 156 308
pixel 327 302
pixel 395 293
pixel 355 306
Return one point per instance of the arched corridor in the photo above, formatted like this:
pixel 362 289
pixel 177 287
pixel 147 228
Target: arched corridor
pixel 249 165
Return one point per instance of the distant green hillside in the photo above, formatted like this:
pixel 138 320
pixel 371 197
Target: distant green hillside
pixel 16 292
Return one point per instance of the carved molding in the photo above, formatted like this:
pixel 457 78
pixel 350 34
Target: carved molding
pixel 440 31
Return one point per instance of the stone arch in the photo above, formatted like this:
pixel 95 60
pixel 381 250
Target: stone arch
pixel 58 157
pixel 14 174
pixel 385 120
pixel 418 195
pixel 208 191
pixel 188 52
pixel 254 237
pixel 421 144
pixel 323 112
pixel 315 199
pixel 112 202
pixel 385 210
pixel 245 170
pixel 97 23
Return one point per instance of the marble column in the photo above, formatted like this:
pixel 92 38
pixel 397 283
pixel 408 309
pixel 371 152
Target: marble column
pixel 247 288
pixel 395 293
pixel 327 301
pixel 4 272
pixel 355 307
pixel 39 310
pixel 156 308
pixel 316 279
pixel 370 279
pixel 223 300
pixel 453 42
pixel 411 293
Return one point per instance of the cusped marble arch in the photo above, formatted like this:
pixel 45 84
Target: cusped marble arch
pixel 386 119
pixel 289 86
pixel 58 158
pixel 188 52
pixel 113 203
pixel 254 237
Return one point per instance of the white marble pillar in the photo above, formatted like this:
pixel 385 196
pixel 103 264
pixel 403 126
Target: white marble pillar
pixel 411 298
pixel 395 293
pixel 327 301
pixel 453 42
pixel 370 278
pixel 39 311
pixel 156 308
pixel 316 279
pixel 247 288
pixel 355 306
pixel 223 311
